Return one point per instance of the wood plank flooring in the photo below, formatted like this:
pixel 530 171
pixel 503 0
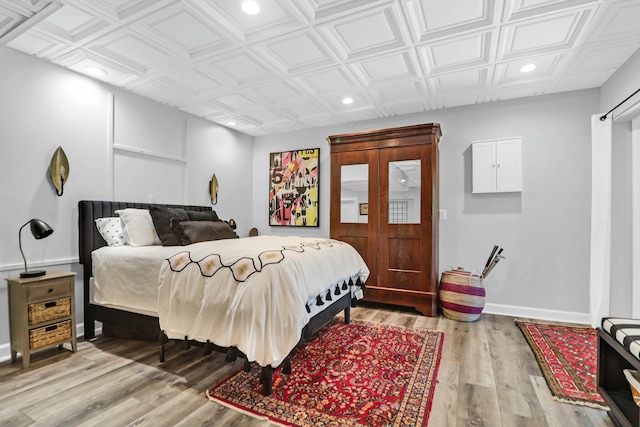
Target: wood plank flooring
pixel 488 377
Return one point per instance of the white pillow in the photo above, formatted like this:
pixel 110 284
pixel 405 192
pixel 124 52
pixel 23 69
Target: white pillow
pixel 111 231
pixel 137 227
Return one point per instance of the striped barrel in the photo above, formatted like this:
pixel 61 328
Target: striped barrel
pixel 461 295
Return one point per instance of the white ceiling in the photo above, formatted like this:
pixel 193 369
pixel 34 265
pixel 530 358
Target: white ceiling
pixel 289 67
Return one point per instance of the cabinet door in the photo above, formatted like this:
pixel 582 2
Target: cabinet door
pixel 509 165
pixel 354 205
pixel 407 262
pixel 484 166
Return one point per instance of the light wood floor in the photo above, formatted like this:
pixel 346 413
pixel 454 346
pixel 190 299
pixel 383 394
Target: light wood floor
pixel 488 377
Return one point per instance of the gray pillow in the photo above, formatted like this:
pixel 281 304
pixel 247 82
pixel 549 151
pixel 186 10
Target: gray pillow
pixel 189 232
pixel 202 216
pixel 162 222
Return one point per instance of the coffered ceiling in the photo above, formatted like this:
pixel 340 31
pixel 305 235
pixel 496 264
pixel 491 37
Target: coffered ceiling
pixel 290 66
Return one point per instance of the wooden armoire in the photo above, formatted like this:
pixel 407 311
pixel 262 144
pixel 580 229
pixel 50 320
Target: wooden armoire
pixel 384 202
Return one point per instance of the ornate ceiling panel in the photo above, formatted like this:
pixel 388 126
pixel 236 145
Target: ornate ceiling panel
pixel 289 67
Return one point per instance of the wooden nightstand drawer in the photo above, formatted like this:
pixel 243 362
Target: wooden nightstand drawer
pixel 51 334
pixel 50 289
pixel 44 311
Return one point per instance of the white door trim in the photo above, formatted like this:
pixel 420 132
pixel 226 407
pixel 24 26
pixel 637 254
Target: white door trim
pixel 635 216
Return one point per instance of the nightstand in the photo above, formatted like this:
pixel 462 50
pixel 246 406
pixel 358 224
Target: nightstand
pixel 41 313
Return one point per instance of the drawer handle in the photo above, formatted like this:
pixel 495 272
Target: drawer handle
pixel 50 304
pixel 50 290
pixel 51 328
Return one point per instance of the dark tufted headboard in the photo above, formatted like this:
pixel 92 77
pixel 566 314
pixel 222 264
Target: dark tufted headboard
pixel 90 210
pixel 89 238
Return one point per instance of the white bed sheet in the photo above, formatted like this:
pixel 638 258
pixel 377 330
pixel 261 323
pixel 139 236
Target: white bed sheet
pixel 127 277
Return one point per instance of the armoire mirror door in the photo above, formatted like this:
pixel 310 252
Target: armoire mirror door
pixel 354 206
pixel 405 239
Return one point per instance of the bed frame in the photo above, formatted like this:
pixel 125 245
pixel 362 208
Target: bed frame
pixel 90 240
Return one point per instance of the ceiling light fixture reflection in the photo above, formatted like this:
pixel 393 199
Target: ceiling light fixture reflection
pixel 527 68
pixel 231 123
pixel 347 101
pixel 95 71
pixel 250 7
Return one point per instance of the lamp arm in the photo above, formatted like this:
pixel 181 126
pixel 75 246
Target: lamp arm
pixel 20 244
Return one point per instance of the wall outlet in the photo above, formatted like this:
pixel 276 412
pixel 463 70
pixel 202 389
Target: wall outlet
pixel 442 214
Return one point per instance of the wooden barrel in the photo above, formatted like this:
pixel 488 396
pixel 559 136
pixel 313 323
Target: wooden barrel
pixel 461 295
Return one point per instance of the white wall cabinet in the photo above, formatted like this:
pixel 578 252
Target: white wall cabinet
pixel 497 165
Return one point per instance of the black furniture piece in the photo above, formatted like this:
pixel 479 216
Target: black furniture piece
pixel 613 357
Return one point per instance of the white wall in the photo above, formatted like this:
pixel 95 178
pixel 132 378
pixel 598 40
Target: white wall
pixel 621 84
pixel 43 106
pixel 544 229
pixel 216 149
pixel 617 88
pixel 621 296
pixel 150 145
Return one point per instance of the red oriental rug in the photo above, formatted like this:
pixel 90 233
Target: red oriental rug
pixel 568 357
pixel 361 374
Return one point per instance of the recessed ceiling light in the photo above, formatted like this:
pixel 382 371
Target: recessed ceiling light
pixel 95 71
pixel 250 7
pixel 527 68
pixel 347 101
pixel 232 123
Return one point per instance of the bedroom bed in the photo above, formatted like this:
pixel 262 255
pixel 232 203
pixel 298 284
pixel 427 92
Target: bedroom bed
pixel 252 297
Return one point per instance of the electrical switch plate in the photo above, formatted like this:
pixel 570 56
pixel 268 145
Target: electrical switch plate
pixel 442 214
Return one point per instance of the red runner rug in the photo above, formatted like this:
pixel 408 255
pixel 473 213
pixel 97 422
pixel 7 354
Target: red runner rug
pixel 567 356
pixel 361 374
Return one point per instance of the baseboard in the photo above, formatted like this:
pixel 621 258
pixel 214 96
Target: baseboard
pixel 5 349
pixel 537 313
pixel 5 352
pixel 80 330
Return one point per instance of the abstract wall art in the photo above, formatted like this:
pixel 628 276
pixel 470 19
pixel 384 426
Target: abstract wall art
pixel 294 187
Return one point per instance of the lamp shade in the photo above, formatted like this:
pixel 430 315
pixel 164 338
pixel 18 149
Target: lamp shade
pixel 40 230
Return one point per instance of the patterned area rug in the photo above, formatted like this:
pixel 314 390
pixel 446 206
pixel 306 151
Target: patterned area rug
pixel 567 356
pixel 361 374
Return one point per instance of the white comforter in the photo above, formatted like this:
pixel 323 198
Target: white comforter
pixel 251 293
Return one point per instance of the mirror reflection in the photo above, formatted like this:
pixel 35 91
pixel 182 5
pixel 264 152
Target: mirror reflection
pixel 354 193
pixel 404 192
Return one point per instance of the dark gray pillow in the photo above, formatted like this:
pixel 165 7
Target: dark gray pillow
pixel 162 222
pixel 189 232
pixel 202 216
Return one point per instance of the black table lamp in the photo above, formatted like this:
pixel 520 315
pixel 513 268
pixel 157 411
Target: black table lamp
pixel 40 230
